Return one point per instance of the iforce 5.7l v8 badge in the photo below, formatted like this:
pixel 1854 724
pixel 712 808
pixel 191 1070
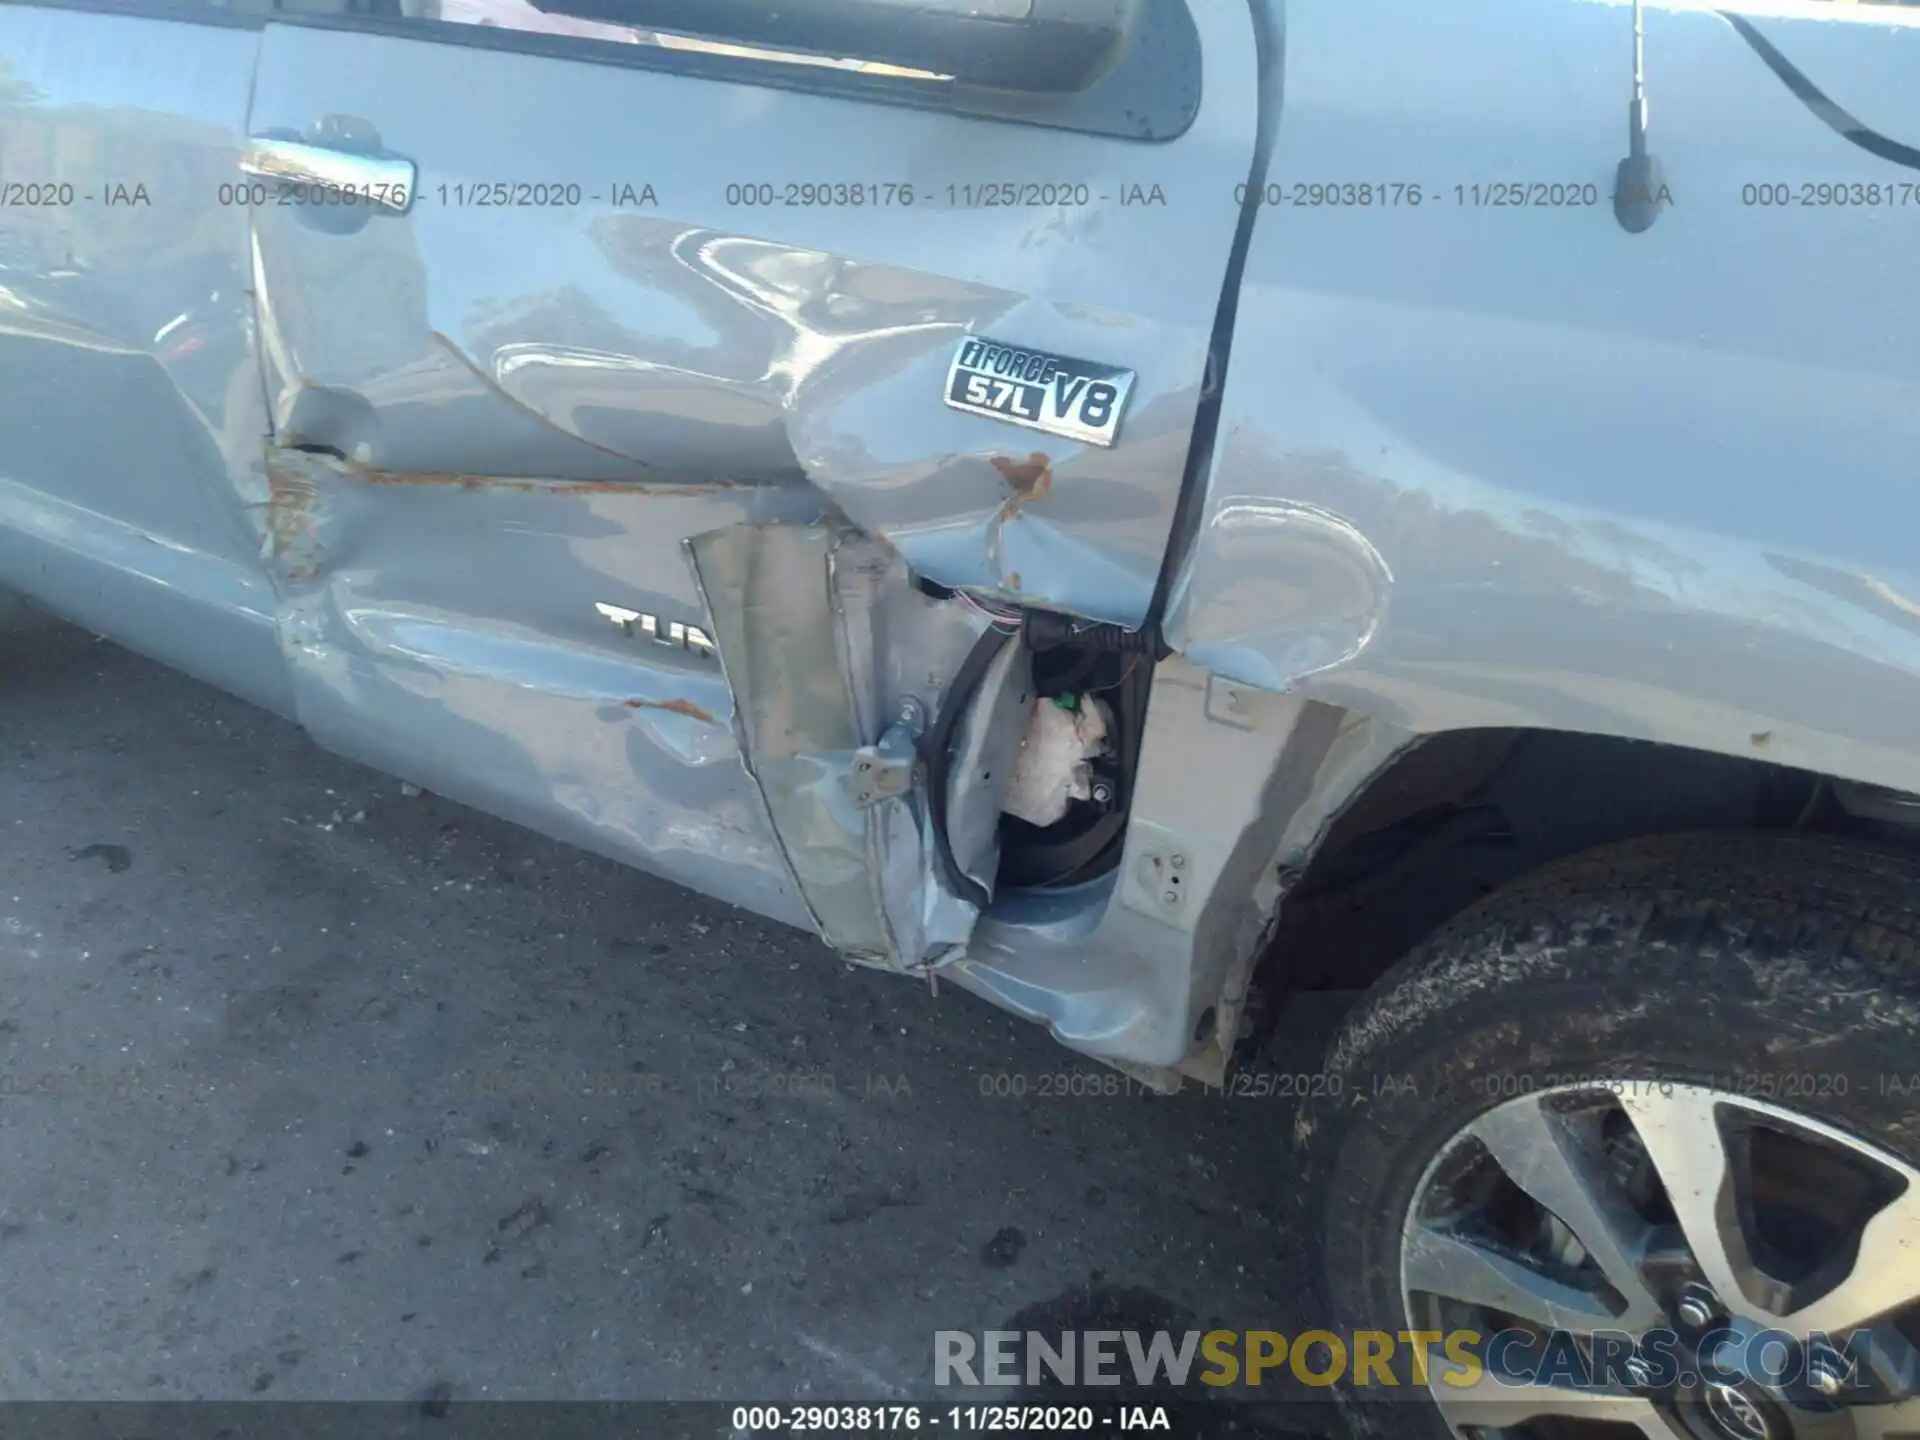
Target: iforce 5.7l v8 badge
pixel 1079 399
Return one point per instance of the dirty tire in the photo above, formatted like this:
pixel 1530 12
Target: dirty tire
pixel 1743 961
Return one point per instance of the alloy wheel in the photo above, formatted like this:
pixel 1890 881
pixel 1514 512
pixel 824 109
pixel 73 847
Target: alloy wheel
pixel 1706 1265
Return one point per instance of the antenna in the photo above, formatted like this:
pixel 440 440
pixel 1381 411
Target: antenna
pixel 1637 125
pixel 1639 189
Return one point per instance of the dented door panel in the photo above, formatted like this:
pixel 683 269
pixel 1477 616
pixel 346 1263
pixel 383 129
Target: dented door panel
pixel 655 329
pixel 495 426
pixel 131 412
pixel 455 630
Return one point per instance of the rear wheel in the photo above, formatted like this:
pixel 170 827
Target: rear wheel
pixel 1652 1118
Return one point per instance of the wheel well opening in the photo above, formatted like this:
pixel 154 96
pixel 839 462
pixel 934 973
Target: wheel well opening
pixel 1466 812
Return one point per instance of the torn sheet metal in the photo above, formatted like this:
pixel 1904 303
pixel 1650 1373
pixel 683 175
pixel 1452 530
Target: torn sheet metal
pixel 1152 974
pixel 466 632
pixel 836 664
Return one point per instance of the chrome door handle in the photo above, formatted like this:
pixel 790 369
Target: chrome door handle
pixel 384 182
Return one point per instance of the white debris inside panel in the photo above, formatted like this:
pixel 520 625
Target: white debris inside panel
pixel 1052 770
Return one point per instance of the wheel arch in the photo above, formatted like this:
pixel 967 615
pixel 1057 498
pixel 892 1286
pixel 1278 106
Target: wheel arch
pixel 1439 821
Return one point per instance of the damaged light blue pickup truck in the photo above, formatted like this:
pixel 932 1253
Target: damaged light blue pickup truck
pixel 1136 509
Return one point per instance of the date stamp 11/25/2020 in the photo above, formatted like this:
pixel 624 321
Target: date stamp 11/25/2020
pixel 1382 195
